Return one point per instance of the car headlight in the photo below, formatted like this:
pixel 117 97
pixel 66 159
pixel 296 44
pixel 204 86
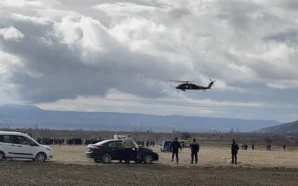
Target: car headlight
pixel 49 149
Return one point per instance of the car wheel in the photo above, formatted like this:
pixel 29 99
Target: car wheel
pixel 148 159
pixel 97 159
pixel 41 157
pixel 2 156
pixel 106 158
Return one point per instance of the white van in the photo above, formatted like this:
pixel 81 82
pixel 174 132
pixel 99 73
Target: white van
pixel 119 136
pixel 20 145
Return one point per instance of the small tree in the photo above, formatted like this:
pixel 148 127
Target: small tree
pixel 232 130
pixel 185 135
pixel 268 140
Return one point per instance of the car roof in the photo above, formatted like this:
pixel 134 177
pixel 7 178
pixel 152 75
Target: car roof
pixel 105 141
pixel 110 140
pixel 12 133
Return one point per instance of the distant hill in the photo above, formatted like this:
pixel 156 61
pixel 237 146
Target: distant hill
pixel 25 116
pixel 283 128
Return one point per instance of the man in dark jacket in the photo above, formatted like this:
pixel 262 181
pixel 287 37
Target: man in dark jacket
pixel 234 151
pixel 175 146
pixel 195 147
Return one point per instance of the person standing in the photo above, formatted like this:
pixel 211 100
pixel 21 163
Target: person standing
pixel 195 147
pixel 128 144
pixel 175 146
pixel 234 151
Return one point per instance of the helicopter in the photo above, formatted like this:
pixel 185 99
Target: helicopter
pixel 190 86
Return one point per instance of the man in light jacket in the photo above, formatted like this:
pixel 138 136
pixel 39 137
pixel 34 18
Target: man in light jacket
pixel 128 144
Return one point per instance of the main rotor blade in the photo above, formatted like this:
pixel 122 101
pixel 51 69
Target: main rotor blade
pixel 181 81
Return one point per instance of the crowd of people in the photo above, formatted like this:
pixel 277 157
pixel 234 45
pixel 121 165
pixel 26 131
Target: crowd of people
pixel 67 141
pixel 82 141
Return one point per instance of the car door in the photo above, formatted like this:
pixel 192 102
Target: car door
pixel 120 150
pixel 22 147
pixel 135 152
pixel 2 145
pixel 28 147
pixel 9 146
pixel 6 146
pixel 114 150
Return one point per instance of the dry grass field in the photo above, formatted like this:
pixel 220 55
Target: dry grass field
pixel 208 157
pixel 70 167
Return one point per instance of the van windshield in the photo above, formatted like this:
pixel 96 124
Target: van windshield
pixel 167 143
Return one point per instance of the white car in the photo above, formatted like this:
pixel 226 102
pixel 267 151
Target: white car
pixel 20 145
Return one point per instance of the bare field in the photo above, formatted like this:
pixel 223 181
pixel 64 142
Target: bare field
pixel 71 168
pixel 51 173
pixel 208 156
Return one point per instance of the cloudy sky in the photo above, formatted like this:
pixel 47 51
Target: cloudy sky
pixel 119 55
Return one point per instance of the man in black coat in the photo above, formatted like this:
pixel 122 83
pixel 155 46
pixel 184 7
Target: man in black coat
pixel 195 147
pixel 234 151
pixel 175 146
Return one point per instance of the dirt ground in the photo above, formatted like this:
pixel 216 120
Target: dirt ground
pixel 50 173
pixel 70 167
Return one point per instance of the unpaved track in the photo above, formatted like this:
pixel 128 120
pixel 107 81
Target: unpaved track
pixel 50 173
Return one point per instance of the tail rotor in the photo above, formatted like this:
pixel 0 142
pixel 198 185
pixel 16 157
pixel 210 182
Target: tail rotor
pixel 211 83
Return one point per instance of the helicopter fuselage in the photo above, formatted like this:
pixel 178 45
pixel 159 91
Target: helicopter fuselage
pixel 190 86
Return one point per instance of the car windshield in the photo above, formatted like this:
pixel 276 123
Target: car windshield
pixel 168 143
pixel 32 140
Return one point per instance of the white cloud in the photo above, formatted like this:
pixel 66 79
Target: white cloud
pixel 33 19
pixel 122 102
pixel 283 85
pixel 73 48
pixel 11 33
pixel 277 86
pixel 125 9
pixel 21 3
pixel 8 63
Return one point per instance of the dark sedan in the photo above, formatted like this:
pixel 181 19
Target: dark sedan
pixel 109 150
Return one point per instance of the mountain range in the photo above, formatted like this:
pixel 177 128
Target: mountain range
pixel 291 127
pixel 31 116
